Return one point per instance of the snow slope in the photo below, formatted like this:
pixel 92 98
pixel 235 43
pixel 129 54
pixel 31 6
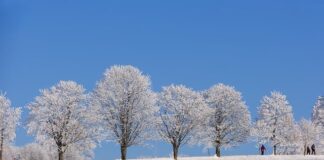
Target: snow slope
pixel 250 157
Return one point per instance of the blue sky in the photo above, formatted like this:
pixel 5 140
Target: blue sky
pixel 256 46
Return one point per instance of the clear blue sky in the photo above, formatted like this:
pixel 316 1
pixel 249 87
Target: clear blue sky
pixel 256 46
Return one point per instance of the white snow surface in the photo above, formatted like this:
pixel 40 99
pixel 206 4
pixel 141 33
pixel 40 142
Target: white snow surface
pixel 247 157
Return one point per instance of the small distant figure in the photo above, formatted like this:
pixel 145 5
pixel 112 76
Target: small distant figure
pixel 313 149
pixel 308 151
pixel 262 149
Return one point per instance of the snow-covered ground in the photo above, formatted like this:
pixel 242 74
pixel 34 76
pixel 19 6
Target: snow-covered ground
pixel 250 157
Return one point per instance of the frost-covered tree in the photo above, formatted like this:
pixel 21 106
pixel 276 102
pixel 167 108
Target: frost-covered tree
pixel 229 119
pixel 318 112
pixel 275 119
pixel 9 119
pixel 59 117
pixel 126 105
pixel 308 133
pixel 299 137
pixel 182 111
pixel 292 144
pixel 318 120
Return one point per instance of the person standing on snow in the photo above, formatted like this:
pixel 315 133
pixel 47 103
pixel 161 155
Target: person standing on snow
pixel 313 149
pixel 262 149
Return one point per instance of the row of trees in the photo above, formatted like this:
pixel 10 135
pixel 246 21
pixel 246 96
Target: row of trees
pixel 123 108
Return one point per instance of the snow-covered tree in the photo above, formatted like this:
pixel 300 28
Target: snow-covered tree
pixel 182 111
pixel 308 133
pixel 292 144
pixel 318 120
pixel 301 136
pixel 275 120
pixel 60 117
pixel 318 112
pixel 9 119
pixel 229 120
pixel 126 105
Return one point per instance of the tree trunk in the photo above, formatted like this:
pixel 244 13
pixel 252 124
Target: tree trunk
pixel 275 149
pixel 218 151
pixel 175 151
pixel 60 153
pixel 61 156
pixel 1 144
pixel 123 150
pixel 1 149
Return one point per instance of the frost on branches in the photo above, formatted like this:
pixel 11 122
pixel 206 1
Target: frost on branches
pixel 9 119
pixel 36 151
pixel 308 133
pixel 126 106
pixel 229 120
pixel 182 111
pixel 59 117
pixel 318 120
pixel 299 137
pixel 318 112
pixel 292 144
pixel 32 151
pixel 275 122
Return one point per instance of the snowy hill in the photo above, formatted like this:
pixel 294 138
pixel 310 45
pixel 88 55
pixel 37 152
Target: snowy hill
pixel 250 157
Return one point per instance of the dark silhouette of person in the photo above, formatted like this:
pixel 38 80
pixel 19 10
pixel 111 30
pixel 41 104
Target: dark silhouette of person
pixel 313 149
pixel 308 151
pixel 262 149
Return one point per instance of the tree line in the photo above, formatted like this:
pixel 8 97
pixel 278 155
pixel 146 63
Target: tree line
pixel 68 123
